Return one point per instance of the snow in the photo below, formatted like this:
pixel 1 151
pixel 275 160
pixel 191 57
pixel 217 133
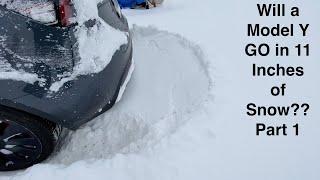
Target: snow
pixel 39 10
pixel 96 44
pixel 182 115
pixel 152 107
pixel 20 76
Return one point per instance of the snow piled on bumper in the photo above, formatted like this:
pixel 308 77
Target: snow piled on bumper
pixel 19 76
pixel 96 44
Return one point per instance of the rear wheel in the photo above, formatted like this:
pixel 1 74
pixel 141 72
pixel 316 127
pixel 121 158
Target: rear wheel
pixel 25 140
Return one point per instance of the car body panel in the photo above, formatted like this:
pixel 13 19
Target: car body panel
pixel 51 51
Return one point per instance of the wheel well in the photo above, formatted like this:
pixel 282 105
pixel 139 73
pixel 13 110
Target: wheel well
pixel 6 109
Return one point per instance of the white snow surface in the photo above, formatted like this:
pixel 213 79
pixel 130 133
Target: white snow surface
pixel 182 116
pixel 20 76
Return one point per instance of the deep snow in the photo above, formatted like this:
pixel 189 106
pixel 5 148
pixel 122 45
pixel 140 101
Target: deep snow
pixel 154 105
pixel 171 133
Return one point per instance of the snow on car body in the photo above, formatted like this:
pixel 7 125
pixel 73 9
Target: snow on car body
pixel 63 70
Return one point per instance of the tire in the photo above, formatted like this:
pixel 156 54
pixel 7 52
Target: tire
pixel 25 140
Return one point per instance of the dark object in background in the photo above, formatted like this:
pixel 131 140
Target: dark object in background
pixel 31 117
pixel 131 3
pixel 147 4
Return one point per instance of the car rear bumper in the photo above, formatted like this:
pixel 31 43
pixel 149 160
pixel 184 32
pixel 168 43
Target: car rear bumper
pixel 50 50
pixel 78 101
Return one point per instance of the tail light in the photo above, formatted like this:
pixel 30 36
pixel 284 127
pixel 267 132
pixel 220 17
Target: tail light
pixel 43 11
pixel 39 10
pixel 65 12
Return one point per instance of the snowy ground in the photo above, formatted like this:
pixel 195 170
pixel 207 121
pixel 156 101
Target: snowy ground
pixel 183 114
